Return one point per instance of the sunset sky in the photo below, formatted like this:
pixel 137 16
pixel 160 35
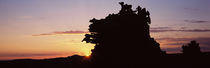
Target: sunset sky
pixel 40 29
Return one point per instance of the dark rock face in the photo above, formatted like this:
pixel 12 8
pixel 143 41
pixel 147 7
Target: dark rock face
pixel 123 35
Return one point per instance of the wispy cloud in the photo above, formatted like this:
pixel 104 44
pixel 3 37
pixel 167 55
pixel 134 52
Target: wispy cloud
pixel 27 55
pixel 26 17
pixel 154 28
pixel 61 32
pixel 171 29
pixel 180 30
pixel 183 28
pixel 196 21
pixel 182 41
pixel 186 39
pixel 192 9
pixel 176 43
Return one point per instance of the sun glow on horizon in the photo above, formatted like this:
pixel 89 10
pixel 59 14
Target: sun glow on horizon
pixel 88 53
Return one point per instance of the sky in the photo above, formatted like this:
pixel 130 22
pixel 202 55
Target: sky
pixel 40 29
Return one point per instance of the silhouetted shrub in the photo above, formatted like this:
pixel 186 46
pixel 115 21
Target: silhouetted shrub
pixel 191 48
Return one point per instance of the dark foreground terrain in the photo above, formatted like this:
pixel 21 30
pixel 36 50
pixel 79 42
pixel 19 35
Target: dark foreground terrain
pixel 76 61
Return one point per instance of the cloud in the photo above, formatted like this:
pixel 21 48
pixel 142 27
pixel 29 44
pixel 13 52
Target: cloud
pixel 192 9
pixel 180 30
pixel 26 55
pixel 186 39
pixel 61 32
pixel 183 28
pixel 172 50
pixel 154 28
pixel 178 42
pixel 196 21
pixel 26 17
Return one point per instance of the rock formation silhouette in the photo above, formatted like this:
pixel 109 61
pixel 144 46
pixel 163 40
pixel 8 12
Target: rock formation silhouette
pixel 123 35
